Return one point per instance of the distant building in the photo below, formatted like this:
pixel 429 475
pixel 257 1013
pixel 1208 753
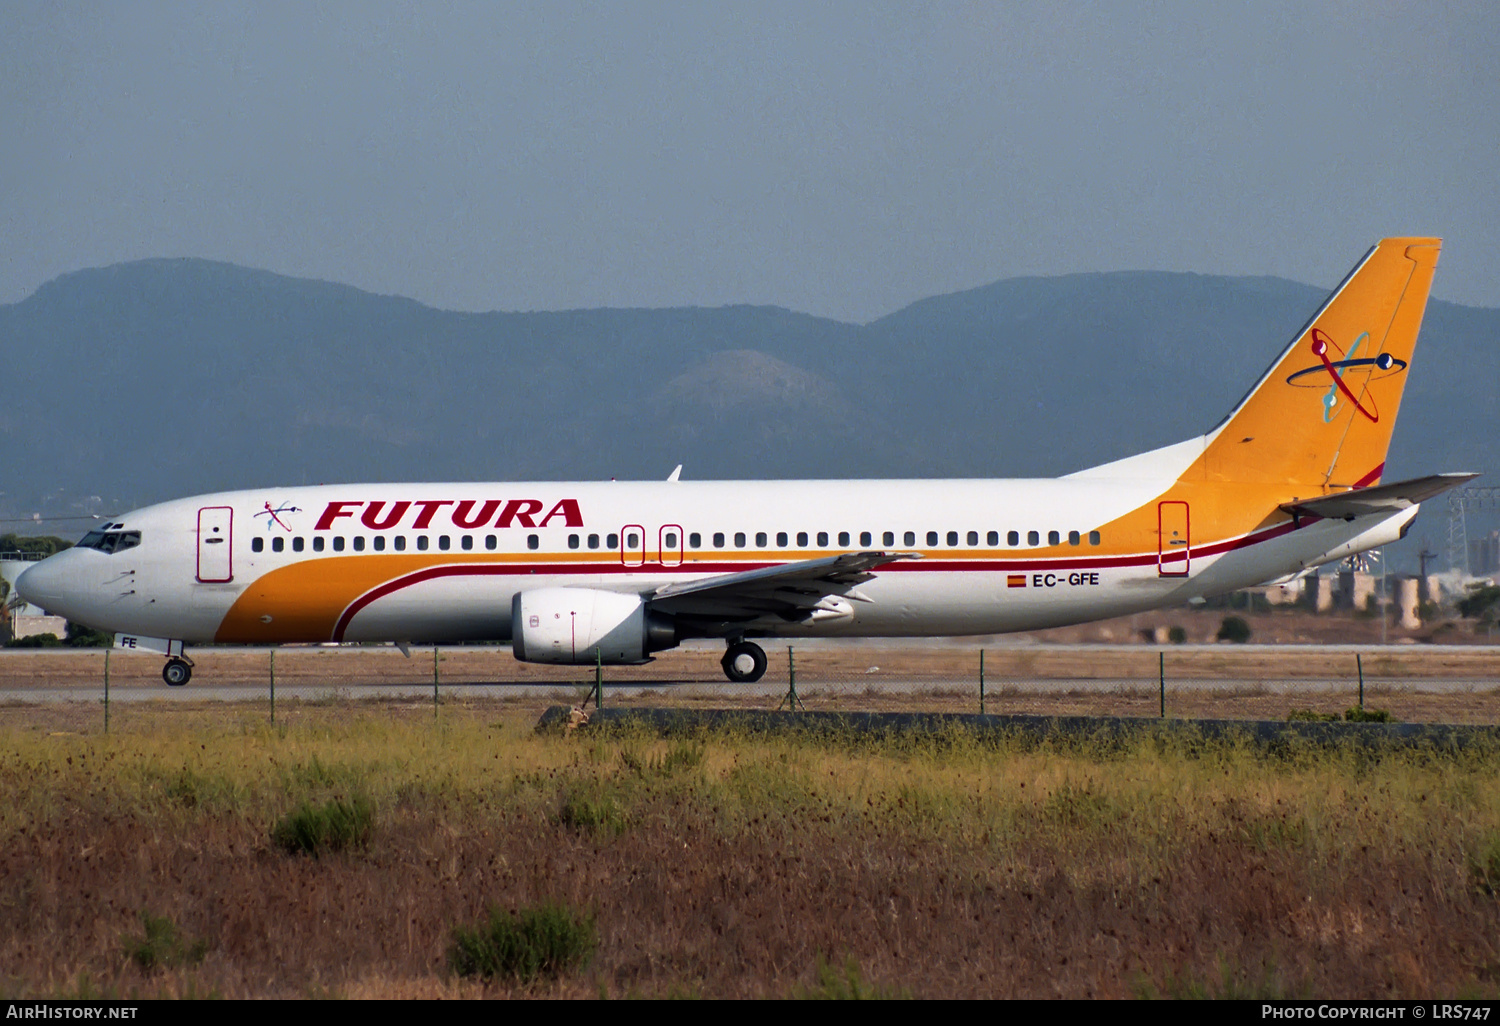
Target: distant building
pixel 1356 590
pixel 26 619
pixel 1484 555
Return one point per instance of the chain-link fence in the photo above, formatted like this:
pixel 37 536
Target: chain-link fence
pixel 93 690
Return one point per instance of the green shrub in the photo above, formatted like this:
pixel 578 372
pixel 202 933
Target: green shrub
pixel 1310 716
pixel 1234 629
pixel 592 808
pixel 846 983
pixel 48 640
pixel 333 826
pixel 1177 634
pixel 79 636
pixel 162 946
pixel 1359 714
pixel 1484 865
pixel 542 941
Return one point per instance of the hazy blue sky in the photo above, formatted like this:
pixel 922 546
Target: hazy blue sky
pixel 838 158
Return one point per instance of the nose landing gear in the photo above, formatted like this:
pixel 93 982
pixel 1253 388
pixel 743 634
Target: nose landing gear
pixel 177 672
pixel 744 662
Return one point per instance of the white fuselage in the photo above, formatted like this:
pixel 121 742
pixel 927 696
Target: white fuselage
pixel 442 562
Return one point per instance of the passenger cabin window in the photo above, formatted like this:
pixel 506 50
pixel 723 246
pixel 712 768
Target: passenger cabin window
pixel 911 538
pixel 422 542
pixel 932 538
pixel 973 537
pixel 781 539
pixel 993 538
pixel 866 539
pixel 378 543
pixel 443 542
pixel 532 541
pixel 695 540
pixel 952 538
pixel 359 543
pixel 297 543
pixel 612 541
pixel 843 537
pixel 671 540
pixel 1053 538
pixel 889 538
pixel 1013 538
pixel 822 539
pixel 1033 538
pixel 632 540
pixel 278 544
pixel 718 539
pixel 467 542
pixel 317 544
pixel 1093 537
pixel 489 542
pixel 739 539
pixel 802 539
pixel 1073 538
pixel 338 544
pixel 572 541
pixel 256 545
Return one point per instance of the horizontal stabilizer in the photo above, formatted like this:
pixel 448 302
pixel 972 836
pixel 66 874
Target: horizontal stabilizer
pixel 1387 498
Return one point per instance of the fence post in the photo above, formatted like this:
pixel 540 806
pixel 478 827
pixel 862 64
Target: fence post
pixel 434 682
pixel 1360 666
pixel 1161 681
pixel 598 677
pixel 981 682
pixel 273 685
pixel 790 698
pixel 106 691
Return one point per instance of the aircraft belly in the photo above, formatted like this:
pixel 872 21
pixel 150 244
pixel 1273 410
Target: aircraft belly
pixel 446 609
pixel 192 615
pixel 924 604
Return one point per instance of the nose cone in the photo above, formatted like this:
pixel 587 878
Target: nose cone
pixel 42 584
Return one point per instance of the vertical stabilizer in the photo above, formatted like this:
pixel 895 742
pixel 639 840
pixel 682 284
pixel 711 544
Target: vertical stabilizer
pixel 1322 415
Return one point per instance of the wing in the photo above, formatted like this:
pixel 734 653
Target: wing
pixel 1391 498
pixel 810 590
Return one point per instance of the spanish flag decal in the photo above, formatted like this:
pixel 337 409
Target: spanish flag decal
pixel 1015 580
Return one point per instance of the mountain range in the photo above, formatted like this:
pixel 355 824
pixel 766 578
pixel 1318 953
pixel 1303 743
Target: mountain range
pixel 158 378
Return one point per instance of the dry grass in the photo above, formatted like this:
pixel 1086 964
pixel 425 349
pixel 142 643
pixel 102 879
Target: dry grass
pixel 741 866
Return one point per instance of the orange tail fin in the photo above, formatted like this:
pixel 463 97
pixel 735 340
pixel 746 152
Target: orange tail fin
pixel 1322 415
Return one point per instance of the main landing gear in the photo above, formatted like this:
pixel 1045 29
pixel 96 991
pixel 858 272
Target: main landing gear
pixel 744 663
pixel 177 672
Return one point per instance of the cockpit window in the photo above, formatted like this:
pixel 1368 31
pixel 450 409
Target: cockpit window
pixel 110 541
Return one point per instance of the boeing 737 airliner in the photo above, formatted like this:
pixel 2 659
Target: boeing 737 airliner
pixel 571 573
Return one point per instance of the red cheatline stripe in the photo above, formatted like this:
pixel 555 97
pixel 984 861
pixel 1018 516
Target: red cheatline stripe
pixel 1371 477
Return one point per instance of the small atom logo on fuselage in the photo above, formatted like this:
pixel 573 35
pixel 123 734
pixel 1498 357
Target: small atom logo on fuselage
pixel 272 513
pixel 1338 368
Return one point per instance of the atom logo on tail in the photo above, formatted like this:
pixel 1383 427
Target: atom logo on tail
pixel 1336 369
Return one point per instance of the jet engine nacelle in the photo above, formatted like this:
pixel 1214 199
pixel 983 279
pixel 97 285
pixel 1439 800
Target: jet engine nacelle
pixel 571 625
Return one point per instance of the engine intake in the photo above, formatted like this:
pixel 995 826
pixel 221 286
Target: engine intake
pixel 570 625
